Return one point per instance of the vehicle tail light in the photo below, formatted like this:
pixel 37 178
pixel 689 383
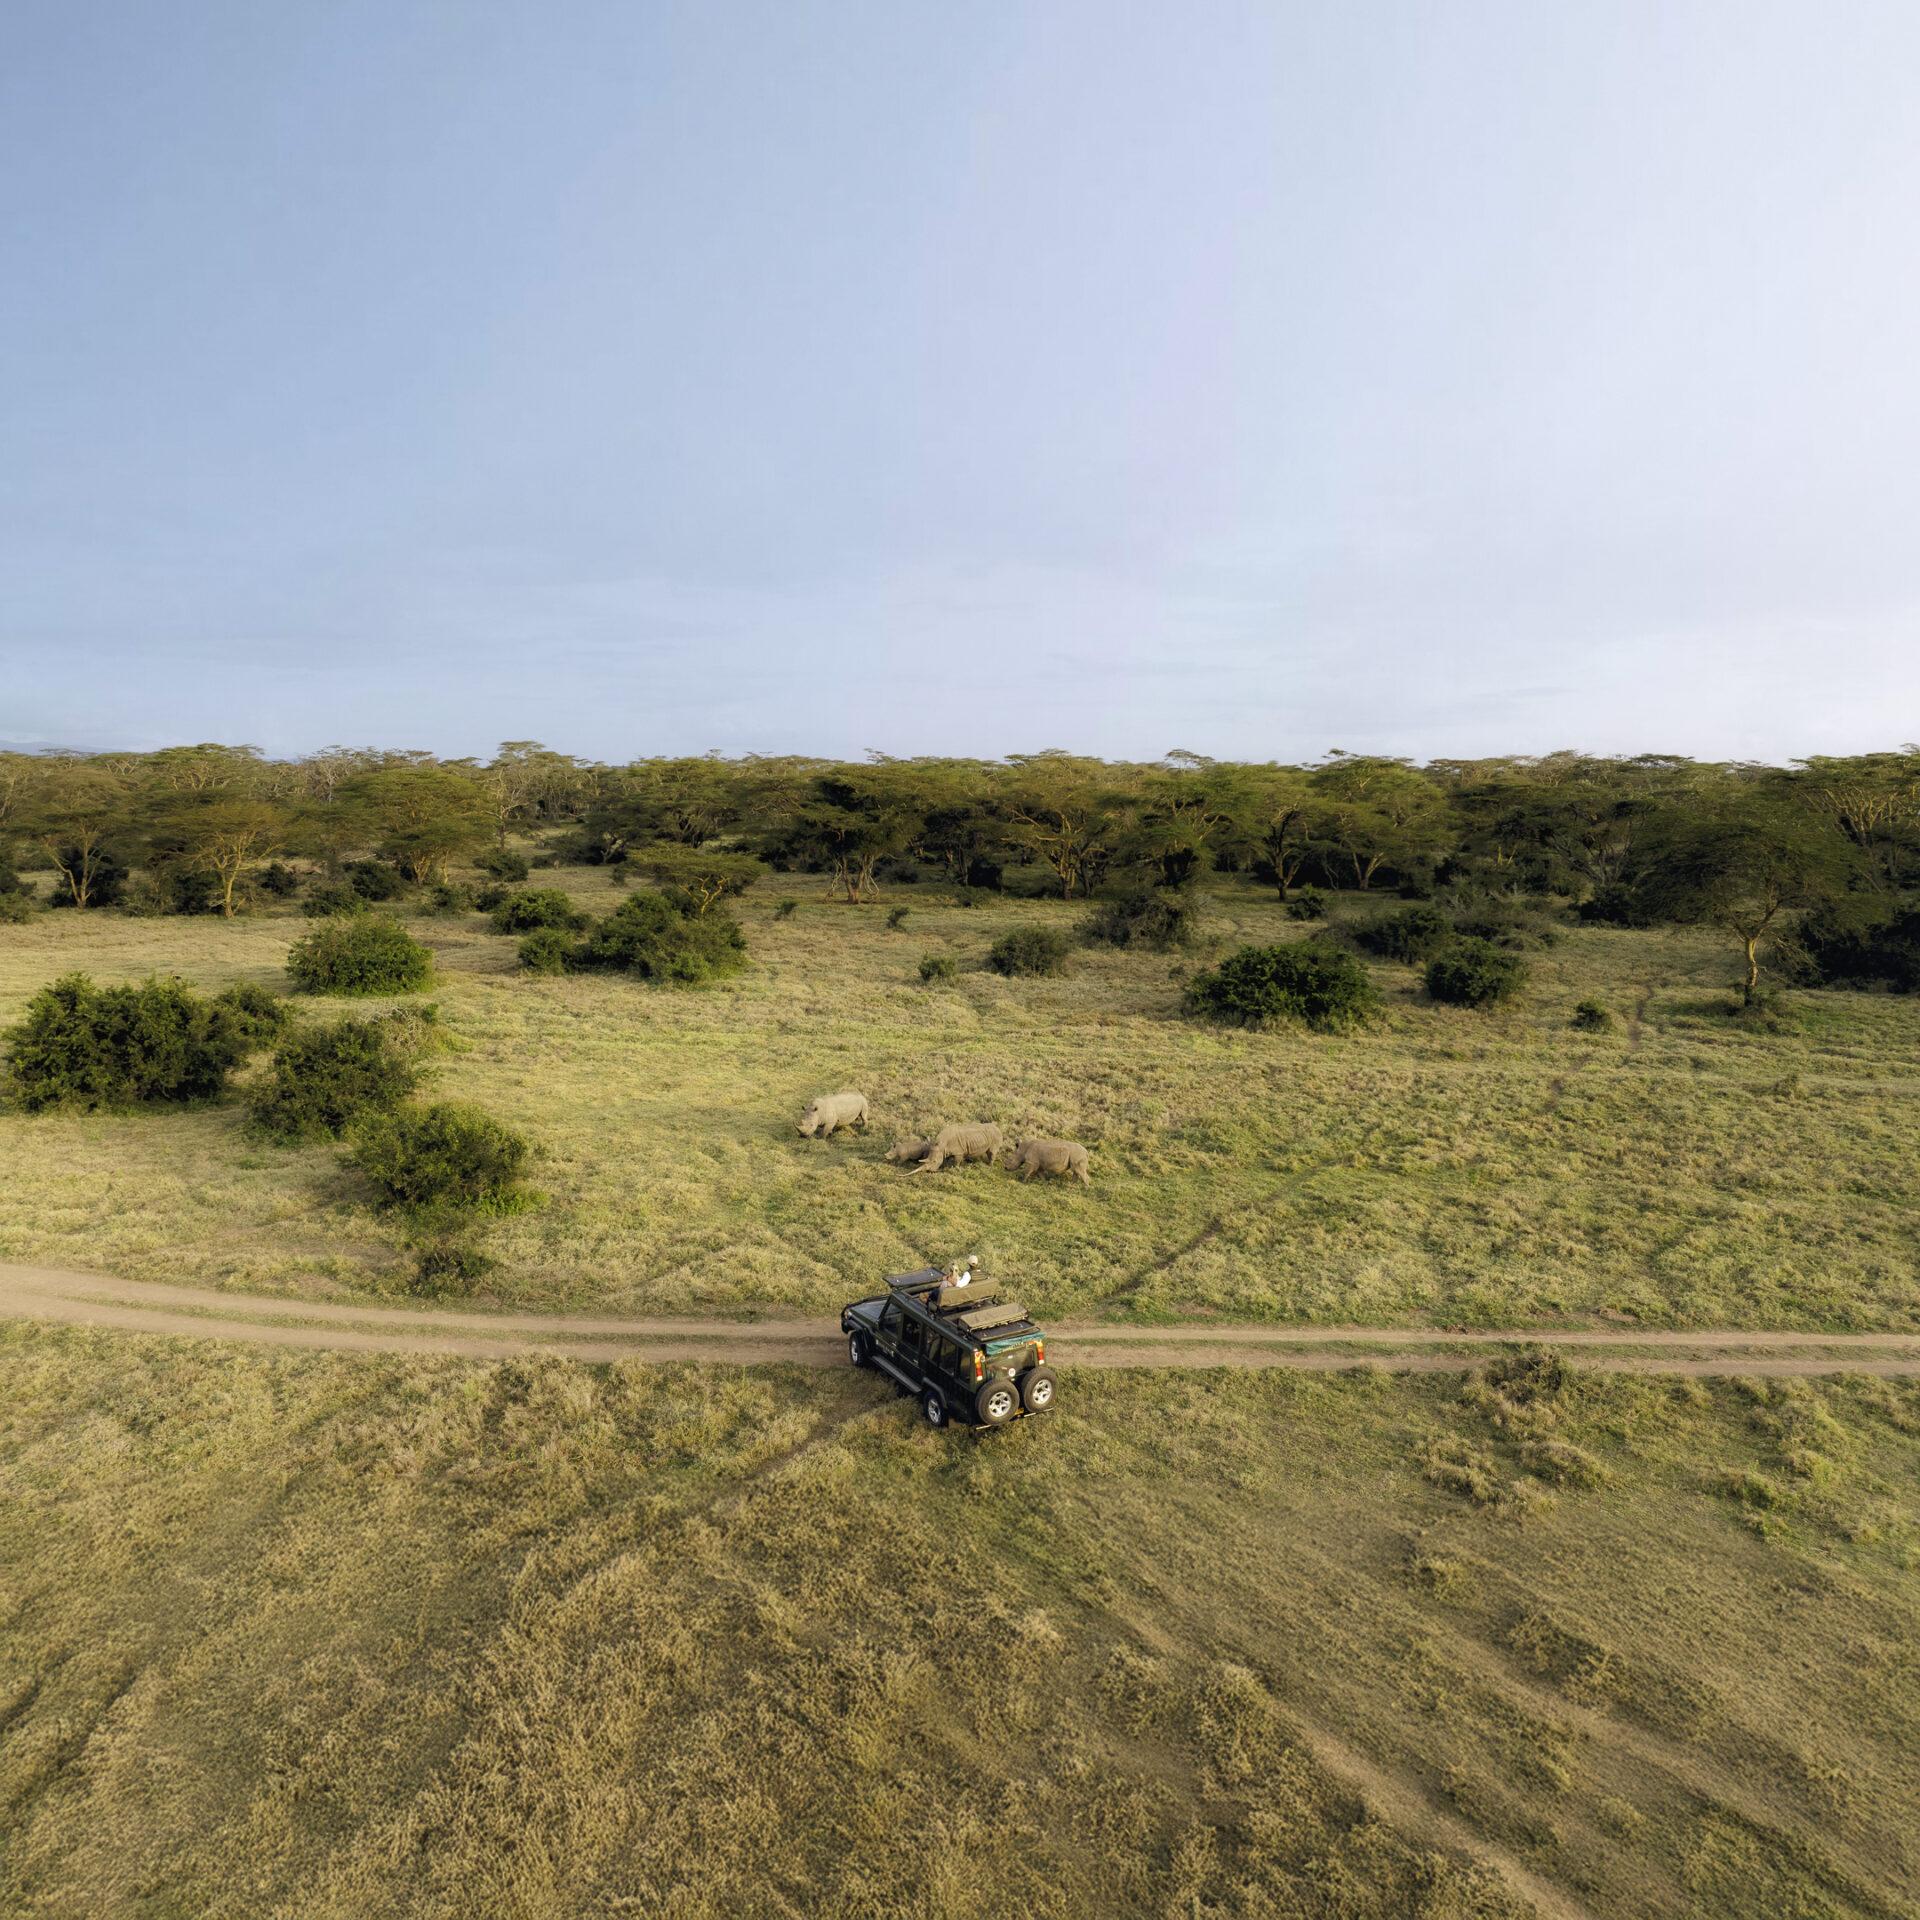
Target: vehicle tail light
pixel 979 1365
pixel 1039 1353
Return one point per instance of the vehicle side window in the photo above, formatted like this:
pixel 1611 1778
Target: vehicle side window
pixel 953 1356
pixel 913 1337
pixel 890 1318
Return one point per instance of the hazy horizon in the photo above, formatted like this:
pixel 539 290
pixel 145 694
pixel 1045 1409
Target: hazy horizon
pixel 1255 379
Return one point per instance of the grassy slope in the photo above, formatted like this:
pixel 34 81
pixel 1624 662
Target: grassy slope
pixel 318 1636
pixel 1448 1166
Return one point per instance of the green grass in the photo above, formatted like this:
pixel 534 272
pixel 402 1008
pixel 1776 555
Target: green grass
pixel 324 1636
pixel 1445 1167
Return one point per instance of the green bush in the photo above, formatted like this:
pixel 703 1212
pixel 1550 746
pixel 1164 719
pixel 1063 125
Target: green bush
pixel 502 863
pixel 1307 903
pixel 440 1158
pixel 84 1046
pixel 1156 917
pixel 11 883
pixel 375 880
pixel 106 883
pixel 529 908
pixel 547 950
pixel 1590 1016
pixel 938 966
pixel 785 909
pixel 174 889
pixel 279 880
pixel 1505 926
pixel 16 909
pixel 358 953
pixel 1413 935
pixel 451 897
pixel 649 937
pixel 1312 983
pixel 897 918
pixel 1475 973
pixel 1028 950
pixel 325 898
pixel 255 1014
pixel 445 1260
pixel 322 1078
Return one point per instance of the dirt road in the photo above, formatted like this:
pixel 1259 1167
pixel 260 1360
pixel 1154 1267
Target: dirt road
pixel 96 1300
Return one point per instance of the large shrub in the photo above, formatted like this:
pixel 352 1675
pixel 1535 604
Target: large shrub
pixel 502 863
pixel 1306 903
pixel 652 938
pixel 1848 947
pixel 523 911
pixel 323 1078
pixel 85 1046
pixel 1475 973
pixel 1412 935
pixel 1158 917
pixel 377 880
pixel 1028 950
pixel 107 876
pixel 359 953
pixel 1312 983
pixel 441 1157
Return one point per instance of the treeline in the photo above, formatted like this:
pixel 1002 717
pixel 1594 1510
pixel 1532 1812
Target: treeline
pixel 1828 848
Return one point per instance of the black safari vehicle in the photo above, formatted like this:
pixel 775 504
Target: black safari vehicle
pixel 948 1337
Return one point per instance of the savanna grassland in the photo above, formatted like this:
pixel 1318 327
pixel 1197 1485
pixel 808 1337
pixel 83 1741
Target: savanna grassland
pixel 326 1636
pixel 1445 1167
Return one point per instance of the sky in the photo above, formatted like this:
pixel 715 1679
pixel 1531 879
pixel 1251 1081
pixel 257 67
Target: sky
pixel 1251 379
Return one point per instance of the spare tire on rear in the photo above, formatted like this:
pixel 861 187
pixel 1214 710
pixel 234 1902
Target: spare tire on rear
pixel 996 1403
pixel 1036 1389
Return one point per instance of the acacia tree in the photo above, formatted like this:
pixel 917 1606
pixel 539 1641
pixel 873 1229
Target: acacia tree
pixel 1378 812
pixel 706 875
pixel 426 816
pixel 1269 814
pixel 1875 798
pixel 1744 863
pixel 223 833
pixel 1063 812
pixel 79 813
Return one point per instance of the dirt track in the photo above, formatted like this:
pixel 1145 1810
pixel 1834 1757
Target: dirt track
pixel 95 1300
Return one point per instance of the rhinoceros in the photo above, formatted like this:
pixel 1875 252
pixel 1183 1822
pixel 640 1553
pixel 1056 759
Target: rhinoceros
pixel 1057 1157
pixel 832 1111
pixel 903 1151
pixel 981 1140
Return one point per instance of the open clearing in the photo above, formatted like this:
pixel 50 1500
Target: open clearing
pixel 291 1320
pixel 1445 1169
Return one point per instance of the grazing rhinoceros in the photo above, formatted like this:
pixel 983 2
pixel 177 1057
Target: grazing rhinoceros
pixel 904 1150
pixel 981 1140
pixel 1057 1157
pixel 832 1111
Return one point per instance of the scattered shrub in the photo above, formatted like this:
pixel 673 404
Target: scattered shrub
pixel 15 908
pixel 1313 983
pixel 1307 903
pixel 84 1046
pixel 325 898
pixel 1847 948
pixel 490 896
pixel 1155 917
pixel 445 1260
pixel 359 953
pixel 897 918
pixel 279 880
pixel 441 1157
pixel 323 1078
pixel 11 883
pixel 1615 905
pixel 547 950
pixel 375 880
pixel 1591 1016
pixel 1475 973
pixel 1028 950
pixel 173 889
pixel 502 863
pixel 1506 926
pixel 522 912
pixel 649 937
pixel 255 1014
pixel 450 897
pixel 785 909
pixel 935 967
pixel 1414 935
pixel 106 881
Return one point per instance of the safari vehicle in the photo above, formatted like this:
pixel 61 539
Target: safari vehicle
pixel 946 1336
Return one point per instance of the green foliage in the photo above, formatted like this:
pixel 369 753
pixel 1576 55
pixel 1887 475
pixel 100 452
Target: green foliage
pixel 452 897
pixel 648 936
pixel 359 953
pixel 16 908
pixel 897 918
pixel 522 912
pixel 83 1046
pixel 1859 946
pixel 1028 950
pixel 1157 917
pixel 502 863
pixel 278 880
pixel 705 875
pixel 255 1015
pixel 1412 935
pixel 106 874
pixel 1312 983
pixel 786 909
pixel 322 1078
pixel 441 1158
pixel 1592 1016
pixel 1505 925
pixel 325 898
pixel 1475 973
pixel 376 880
pixel 446 1260
pixel 1307 903
pixel 548 950
pixel 935 967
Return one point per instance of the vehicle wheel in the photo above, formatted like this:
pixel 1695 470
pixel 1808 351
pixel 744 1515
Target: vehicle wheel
pixel 996 1403
pixel 1037 1389
pixel 934 1408
pixel 857 1350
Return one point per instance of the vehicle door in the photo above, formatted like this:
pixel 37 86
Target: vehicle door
pixel 915 1336
pixel 886 1337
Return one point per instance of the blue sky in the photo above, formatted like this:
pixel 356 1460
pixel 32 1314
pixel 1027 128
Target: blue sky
pixel 1255 379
